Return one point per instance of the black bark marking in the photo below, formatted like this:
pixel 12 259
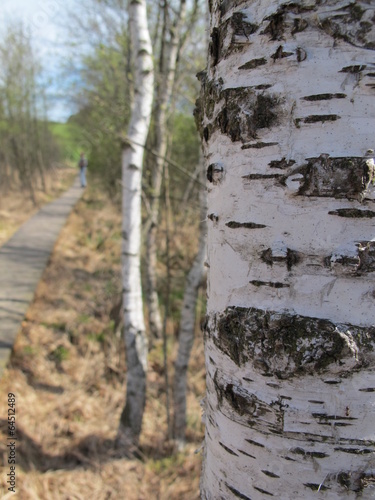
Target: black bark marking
pixel 247 225
pixel 316 487
pixel 214 46
pixel 240 400
pixel 280 54
pixel 355 451
pixel 231 452
pixel 248 379
pixel 368 389
pixel 255 177
pixel 366 254
pixel 292 258
pixel 254 443
pixel 213 217
pixel 254 63
pixel 315 402
pixel 354 69
pixel 276 26
pixel 265 492
pixel 324 97
pixel 281 164
pixel 215 173
pixel 332 382
pixel 259 145
pixel 308 454
pixel 270 474
pixel 308 345
pixel 353 213
pixel 317 119
pixel 332 177
pixel 271 284
pixel 247 454
pixel 301 54
pixel 299 26
pixel 237 493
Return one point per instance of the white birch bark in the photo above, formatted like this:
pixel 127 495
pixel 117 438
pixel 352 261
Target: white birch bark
pixel 132 159
pixel 286 115
pixel 187 324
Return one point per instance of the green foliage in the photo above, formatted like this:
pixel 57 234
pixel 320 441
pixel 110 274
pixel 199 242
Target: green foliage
pixel 69 140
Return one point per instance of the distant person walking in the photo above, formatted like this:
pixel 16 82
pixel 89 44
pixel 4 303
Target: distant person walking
pixel 82 169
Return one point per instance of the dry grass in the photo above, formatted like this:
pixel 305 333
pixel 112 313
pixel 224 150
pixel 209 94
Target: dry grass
pixel 68 374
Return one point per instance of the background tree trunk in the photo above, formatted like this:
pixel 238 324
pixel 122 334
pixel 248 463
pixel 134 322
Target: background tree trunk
pixel 187 323
pixel 135 335
pixel 286 116
pixel 171 34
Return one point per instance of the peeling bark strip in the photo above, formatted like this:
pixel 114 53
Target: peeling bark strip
pixel 284 345
pixel 332 177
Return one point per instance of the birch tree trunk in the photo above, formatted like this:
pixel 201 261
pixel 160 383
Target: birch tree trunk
pixel 167 74
pixel 132 159
pixel 187 324
pixel 286 115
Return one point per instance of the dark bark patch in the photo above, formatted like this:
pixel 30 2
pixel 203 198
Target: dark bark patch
pixel 246 225
pixel 254 63
pixel 332 177
pixel 245 112
pixel 368 389
pixel 237 493
pixel 281 164
pixel 324 97
pixel 304 344
pixel 353 213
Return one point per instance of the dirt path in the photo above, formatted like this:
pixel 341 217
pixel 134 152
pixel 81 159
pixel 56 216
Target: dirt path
pixel 22 262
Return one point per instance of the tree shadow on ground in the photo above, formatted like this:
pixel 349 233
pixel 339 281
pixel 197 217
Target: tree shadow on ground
pixel 90 453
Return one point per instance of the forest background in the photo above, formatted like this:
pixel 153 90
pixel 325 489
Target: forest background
pixel 68 365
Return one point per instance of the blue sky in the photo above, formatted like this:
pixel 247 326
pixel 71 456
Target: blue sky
pixel 44 19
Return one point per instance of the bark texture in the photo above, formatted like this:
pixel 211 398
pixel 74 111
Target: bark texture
pixel 132 160
pixel 286 117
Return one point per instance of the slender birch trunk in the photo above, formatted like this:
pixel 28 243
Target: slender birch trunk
pixel 286 116
pixel 187 324
pixel 132 159
pixel 167 74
